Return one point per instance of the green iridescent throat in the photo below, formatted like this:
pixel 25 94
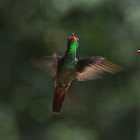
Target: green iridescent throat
pixel 72 48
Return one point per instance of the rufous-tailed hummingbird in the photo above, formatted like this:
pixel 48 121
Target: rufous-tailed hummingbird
pixel 67 67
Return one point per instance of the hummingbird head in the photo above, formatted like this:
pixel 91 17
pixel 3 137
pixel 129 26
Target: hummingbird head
pixel 72 43
pixel 72 38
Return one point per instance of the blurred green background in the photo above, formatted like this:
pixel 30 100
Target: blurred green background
pixel 104 109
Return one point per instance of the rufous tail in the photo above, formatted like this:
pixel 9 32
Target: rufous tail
pixel 59 96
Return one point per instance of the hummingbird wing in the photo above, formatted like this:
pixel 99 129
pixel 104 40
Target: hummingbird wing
pixel 48 64
pixel 93 67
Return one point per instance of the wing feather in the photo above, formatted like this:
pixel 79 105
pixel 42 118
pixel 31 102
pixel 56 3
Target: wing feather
pixel 92 68
pixel 48 63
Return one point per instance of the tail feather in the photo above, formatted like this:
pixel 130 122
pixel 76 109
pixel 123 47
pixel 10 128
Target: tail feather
pixel 59 96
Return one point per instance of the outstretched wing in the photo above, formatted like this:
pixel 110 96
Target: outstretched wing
pixel 91 68
pixel 48 64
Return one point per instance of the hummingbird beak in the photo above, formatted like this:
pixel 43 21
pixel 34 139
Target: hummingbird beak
pixel 72 37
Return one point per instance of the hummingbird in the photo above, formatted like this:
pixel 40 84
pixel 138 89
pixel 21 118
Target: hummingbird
pixel 66 68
